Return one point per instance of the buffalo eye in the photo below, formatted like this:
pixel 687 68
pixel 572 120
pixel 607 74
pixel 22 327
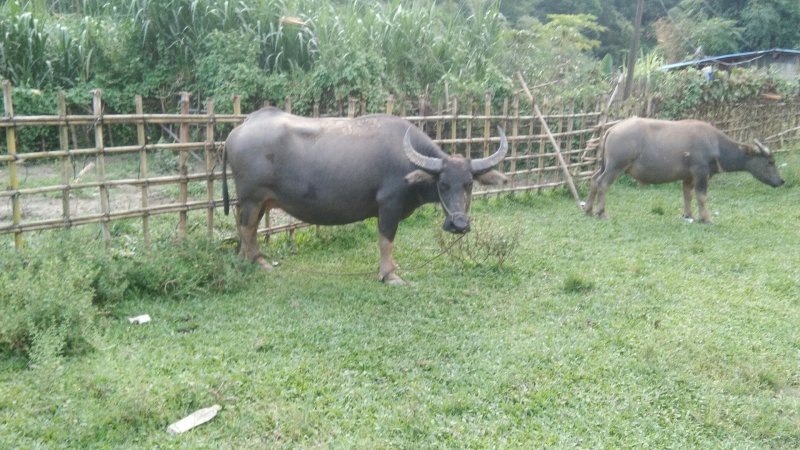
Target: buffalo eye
pixel 444 186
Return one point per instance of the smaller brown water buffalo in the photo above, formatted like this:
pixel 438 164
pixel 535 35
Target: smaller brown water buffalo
pixel 660 151
pixel 335 171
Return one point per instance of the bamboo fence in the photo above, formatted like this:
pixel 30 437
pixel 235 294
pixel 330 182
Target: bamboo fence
pixel 101 191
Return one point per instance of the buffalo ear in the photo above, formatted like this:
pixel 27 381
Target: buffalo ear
pixel 419 176
pixel 492 177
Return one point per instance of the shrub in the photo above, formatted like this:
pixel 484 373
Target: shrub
pixel 46 308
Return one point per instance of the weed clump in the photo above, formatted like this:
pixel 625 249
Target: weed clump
pixel 486 245
pixel 574 284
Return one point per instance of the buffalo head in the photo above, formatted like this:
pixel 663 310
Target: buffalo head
pixel 761 164
pixel 453 176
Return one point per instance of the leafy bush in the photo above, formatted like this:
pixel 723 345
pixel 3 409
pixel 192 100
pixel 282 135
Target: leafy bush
pixel 181 270
pixel 46 306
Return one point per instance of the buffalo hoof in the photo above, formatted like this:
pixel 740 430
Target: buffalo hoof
pixel 263 264
pixel 393 280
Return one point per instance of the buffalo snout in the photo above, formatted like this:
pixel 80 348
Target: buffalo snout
pixel 457 223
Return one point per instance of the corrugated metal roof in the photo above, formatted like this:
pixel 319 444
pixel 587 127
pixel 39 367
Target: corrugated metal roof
pixel 721 59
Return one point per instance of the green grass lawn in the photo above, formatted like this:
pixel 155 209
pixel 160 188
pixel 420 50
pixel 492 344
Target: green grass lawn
pixel 643 331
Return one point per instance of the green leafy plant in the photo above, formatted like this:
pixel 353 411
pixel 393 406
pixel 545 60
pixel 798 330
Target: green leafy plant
pixel 46 308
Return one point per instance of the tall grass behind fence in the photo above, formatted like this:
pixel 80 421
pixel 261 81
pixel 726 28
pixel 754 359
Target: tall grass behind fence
pixel 107 168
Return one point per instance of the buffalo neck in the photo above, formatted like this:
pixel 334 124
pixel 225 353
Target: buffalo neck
pixel 731 156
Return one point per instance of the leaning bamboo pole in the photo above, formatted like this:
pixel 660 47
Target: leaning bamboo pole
pixel 564 166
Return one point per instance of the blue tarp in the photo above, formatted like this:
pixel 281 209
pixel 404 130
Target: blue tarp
pixel 721 59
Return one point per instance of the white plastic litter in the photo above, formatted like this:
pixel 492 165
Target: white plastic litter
pixel 194 419
pixel 144 318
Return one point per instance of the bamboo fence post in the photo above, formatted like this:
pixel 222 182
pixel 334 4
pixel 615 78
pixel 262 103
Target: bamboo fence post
pixel 287 104
pixel 351 107
pixel 183 168
pixel 514 135
pixel 439 121
pixel 567 141
pixel 210 147
pixel 390 104
pixel 470 118
pixel 11 143
pixel 564 167
pixel 529 153
pixel 63 141
pixel 540 165
pixel 141 139
pixel 487 121
pixel 97 110
pixel 454 126
pixel 422 103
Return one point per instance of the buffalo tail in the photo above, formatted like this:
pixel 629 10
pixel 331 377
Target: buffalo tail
pixel 225 197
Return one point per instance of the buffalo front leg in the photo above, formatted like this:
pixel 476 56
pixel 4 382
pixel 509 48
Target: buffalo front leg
pixel 388 219
pixel 687 198
pixel 249 216
pixel 387 272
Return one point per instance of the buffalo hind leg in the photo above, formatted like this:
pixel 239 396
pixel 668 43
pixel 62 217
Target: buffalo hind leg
pixel 687 198
pixel 604 182
pixel 700 180
pixel 587 208
pixel 250 214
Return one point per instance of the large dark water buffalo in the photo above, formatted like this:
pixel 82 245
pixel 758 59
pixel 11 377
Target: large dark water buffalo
pixel 338 171
pixel 659 151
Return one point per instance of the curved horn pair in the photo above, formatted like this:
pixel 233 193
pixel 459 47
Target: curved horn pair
pixel 762 147
pixel 434 165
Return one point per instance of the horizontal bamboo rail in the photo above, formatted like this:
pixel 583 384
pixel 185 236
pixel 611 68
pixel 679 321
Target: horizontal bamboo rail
pixel 463 127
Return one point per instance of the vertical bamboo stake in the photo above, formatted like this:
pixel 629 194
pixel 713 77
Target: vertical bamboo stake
pixel 487 121
pixel 439 121
pixel 422 102
pixel 11 143
pixel 351 107
pixel 454 127
pixel 66 172
pixel 390 104
pixel 470 118
pixel 143 169
pixel 97 110
pixel 287 104
pixel 567 139
pixel 564 167
pixel 514 135
pixel 210 165
pixel 183 168
pixel 529 157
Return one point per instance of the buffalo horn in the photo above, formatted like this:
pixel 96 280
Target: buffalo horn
pixel 484 164
pixel 762 147
pixel 433 165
